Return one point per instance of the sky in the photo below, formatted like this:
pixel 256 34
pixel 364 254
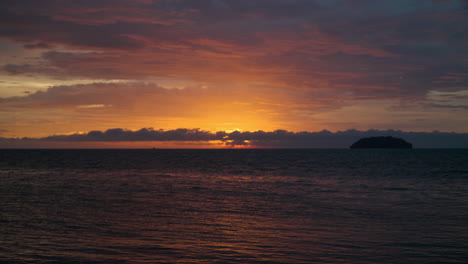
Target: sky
pixel 71 68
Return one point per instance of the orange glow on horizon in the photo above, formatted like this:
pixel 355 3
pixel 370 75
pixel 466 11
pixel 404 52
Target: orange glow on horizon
pixel 213 144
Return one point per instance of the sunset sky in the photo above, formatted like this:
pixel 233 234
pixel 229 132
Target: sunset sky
pixel 70 67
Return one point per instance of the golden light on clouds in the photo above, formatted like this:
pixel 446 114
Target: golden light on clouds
pixel 236 66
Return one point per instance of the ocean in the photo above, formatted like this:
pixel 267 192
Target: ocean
pixel 234 206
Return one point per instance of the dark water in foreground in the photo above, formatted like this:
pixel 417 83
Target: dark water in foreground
pixel 234 206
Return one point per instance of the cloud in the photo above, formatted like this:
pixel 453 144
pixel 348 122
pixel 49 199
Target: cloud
pixel 77 95
pixel 259 139
pixel 37 27
pixel 151 98
pixel 447 106
pixel 270 63
pixel 38 45
pixel 94 106
pixel 225 107
pixel 357 51
pixel 144 134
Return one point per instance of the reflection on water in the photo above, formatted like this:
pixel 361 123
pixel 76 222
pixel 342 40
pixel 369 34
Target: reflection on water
pixel 234 206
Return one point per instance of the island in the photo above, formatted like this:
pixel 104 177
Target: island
pixel 382 143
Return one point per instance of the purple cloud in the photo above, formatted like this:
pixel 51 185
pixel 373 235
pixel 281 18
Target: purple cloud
pixel 259 139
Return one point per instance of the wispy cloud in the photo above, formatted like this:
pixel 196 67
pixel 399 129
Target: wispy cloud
pixel 265 63
pixel 360 46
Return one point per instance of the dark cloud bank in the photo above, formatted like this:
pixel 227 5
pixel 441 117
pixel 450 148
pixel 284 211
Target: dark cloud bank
pixel 260 139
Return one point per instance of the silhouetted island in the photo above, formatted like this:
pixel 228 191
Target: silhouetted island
pixel 381 142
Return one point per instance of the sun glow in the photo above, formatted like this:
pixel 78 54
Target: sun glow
pixel 232 130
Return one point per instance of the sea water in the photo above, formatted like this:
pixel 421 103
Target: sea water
pixel 234 206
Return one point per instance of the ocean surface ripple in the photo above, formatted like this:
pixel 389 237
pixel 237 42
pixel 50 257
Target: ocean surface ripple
pixel 234 206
